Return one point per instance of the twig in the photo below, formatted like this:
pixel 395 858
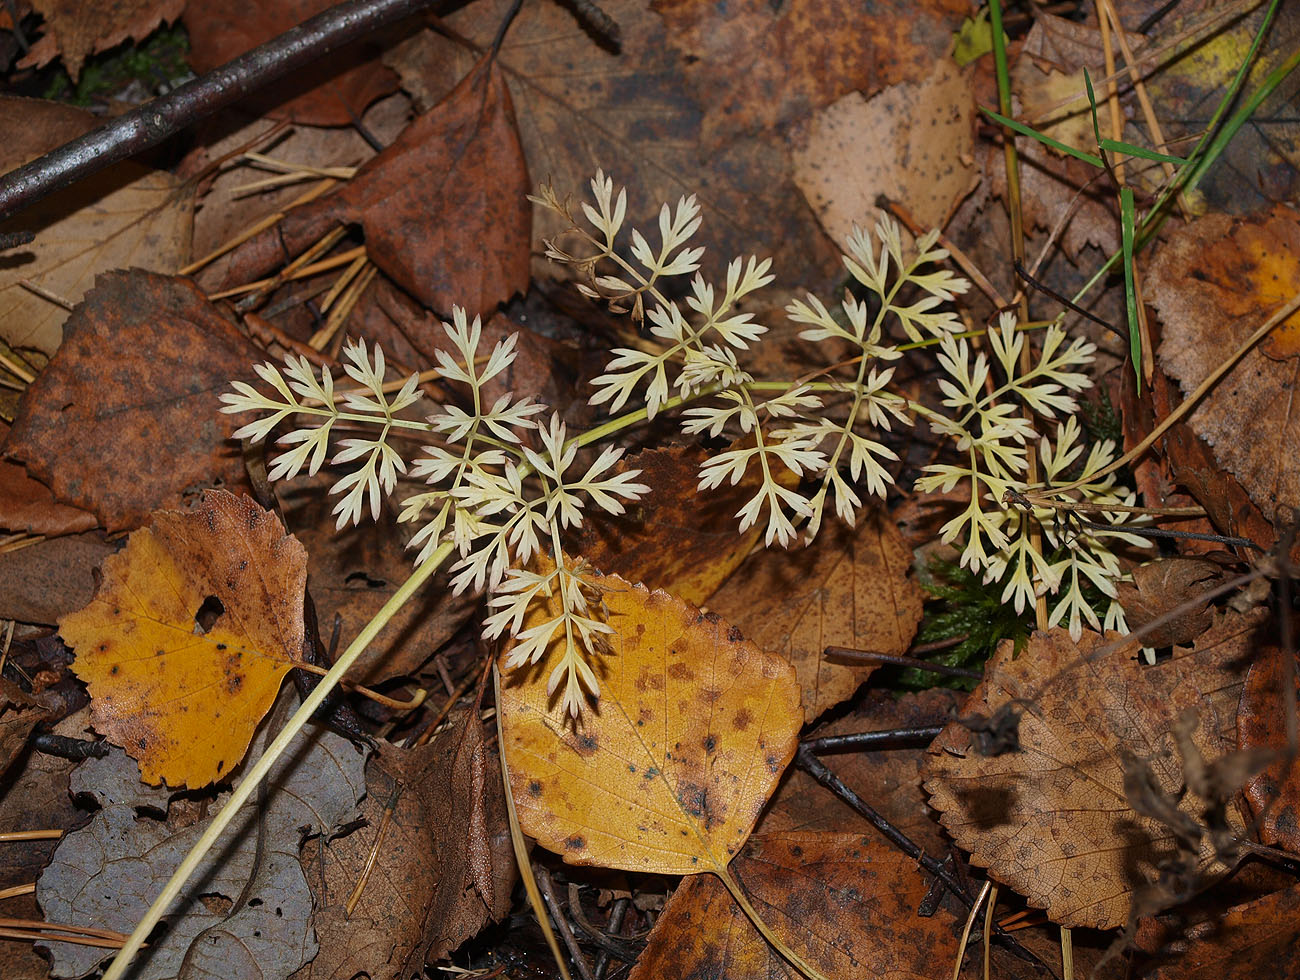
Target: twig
pixel 561 922
pixel 153 122
pixel 616 916
pixel 895 660
pixel 68 748
pixel 894 738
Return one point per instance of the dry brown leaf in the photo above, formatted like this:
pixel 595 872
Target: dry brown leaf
pixel 1054 820
pixel 444 208
pixel 43 581
pixel 354 571
pixel 443 869
pixel 1274 794
pixel 28 507
pixel 753 65
pixel 849 588
pixel 630 112
pixel 846 903
pixel 1257 939
pixel 669 772
pixel 20 712
pixel 685 544
pixel 182 699
pixel 332 92
pixel 76 29
pixel 128 215
pixel 126 417
pixel 1213 282
pixel 1160 586
pixel 913 143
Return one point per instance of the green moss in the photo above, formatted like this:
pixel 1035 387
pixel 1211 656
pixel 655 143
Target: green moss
pixel 154 62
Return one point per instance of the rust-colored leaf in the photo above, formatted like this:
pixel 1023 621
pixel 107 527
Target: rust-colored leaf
pixel 443 869
pixel 76 29
pixel 1159 587
pixel 444 208
pixel 45 580
pixel 27 506
pixel 126 216
pixel 668 773
pixel 1274 794
pixel 125 418
pixel 913 143
pixel 798 57
pixel 1213 282
pixel 20 712
pixel 849 588
pixel 1256 939
pixel 846 903
pixel 332 92
pixel 182 695
pixel 1054 820
pixel 685 544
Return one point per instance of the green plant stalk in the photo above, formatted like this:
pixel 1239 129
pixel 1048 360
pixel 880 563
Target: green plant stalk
pixel 1126 223
pixel 258 772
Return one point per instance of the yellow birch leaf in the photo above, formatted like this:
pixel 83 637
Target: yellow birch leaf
pixel 669 771
pixel 184 698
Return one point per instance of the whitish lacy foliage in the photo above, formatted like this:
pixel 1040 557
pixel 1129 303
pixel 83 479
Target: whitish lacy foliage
pixel 504 485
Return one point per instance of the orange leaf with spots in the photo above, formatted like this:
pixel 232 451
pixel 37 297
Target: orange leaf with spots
pixel 669 771
pixel 181 694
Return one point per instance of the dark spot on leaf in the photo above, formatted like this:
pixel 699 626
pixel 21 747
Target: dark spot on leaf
pixel 208 613
pixel 734 635
pixel 710 743
pixel 574 843
pixel 534 788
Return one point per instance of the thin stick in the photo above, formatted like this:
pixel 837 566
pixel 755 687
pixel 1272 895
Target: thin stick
pixel 37 935
pixel 9 836
pixel 39 926
pixel 562 924
pixel 153 122
pixel 259 769
pixel 16 890
pixel 324 265
pixel 895 660
pixel 270 221
pixel 414 701
pixel 16 369
pixel 865 741
pixel 1189 402
pixel 988 928
pixel 339 315
pixel 47 294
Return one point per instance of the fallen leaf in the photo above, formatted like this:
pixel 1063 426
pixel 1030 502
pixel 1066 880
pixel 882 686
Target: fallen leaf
pixel 668 773
pixel 799 57
pixel 181 696
pixel 846 903
pixel 127 215
pixel 46 580
pixel 1160 586
pixel 20 712
pixel 247 911
pixel 334 91
pixel 685 544
pixel 638 120
pixel 913 143
pixel 75 30
pixel 444 208
pixel 126 417
pixel 1257 939
pixel 1274 794
pixel 1213 282
pixel 443 869
pixel 354 571
pixel 1054 820
pixel 28 507
pixel 849 588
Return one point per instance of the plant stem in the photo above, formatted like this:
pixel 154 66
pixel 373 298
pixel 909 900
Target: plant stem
pixel 258 772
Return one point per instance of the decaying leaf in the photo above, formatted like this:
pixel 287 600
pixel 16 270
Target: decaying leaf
pixel 332 92
pixel 1257 939
pixel 849 588
pixel 126 418
pixel 46 580
pixel 668 773
pixel 846 903
pixel 1213 282
pixel 799 57
pixel 247 912
pixel 28 507
pixel 126 216
pixel 455 176
pixel 1059 820
pixel 354 571
pixel 443 868
pixel 1159 587
pixel 913 143
pixel 76 30
pixel 181 695
pixel 639 121
pixel 1274 794
pixel 685 544
pixel 20 712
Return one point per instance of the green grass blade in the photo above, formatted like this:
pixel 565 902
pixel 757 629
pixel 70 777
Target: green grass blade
pixel 1140 151
pixel 1127 227
pixel 1024 130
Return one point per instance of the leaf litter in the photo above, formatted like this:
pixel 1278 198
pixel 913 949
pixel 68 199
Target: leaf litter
pixel 1100 790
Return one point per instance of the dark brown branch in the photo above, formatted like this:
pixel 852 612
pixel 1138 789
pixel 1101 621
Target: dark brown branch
pixel 153 122
pixel 894 738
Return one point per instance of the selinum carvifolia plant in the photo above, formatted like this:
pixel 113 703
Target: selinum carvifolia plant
pixel 505 482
